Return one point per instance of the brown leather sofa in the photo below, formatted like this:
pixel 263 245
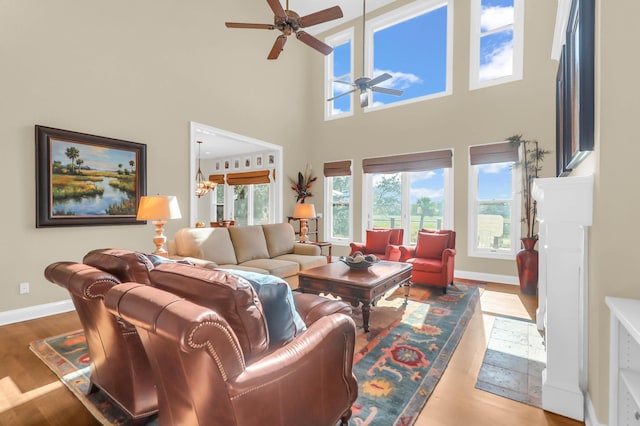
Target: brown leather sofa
pixel 205 378
pixel 119 365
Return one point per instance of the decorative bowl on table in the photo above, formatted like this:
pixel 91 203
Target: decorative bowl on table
pixel 359 261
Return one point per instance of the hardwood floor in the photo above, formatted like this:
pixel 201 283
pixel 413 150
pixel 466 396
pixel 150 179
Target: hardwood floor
pixel 30 394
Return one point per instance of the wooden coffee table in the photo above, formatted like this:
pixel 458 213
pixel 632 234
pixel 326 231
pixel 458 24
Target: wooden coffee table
pixel 356 286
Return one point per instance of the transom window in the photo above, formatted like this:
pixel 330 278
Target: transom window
pixel 339 66
pixel 413 44
pixel 497 28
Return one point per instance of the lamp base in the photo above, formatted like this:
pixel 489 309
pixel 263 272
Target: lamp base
pixel 303 231
pixel 160 239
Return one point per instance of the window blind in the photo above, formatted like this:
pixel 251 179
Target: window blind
pixel 219 179
pixel 337 168
pixel 493 153
pixel 420 161
pixel 248 178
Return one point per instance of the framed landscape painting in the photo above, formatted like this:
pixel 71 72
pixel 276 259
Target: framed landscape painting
pixel 84 180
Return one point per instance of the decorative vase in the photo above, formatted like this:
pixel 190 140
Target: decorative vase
pixel 527 261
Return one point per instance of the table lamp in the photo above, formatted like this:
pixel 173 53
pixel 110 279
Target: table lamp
pixel 159 208
pixel 303 212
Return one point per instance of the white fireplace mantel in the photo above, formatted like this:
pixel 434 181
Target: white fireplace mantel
pixel 565 209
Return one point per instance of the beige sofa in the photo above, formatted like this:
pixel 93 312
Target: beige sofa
pixel 266 249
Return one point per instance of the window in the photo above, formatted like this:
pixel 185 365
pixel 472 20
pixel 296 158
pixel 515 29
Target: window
pixel 494 207
pixel 497 34
pixel 414 45
pixel 418 197
pixel 339 66
pixel 251 193
pixel 338 187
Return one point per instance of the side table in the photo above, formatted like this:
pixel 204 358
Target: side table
pixel 322 244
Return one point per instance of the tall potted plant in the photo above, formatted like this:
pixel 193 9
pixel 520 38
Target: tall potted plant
pixel 531 158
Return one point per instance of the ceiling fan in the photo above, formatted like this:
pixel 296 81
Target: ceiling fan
pixel 289 22
pixel 364 84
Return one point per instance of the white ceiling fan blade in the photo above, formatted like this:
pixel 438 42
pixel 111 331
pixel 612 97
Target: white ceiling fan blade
pixel 387 91
pixel 344 82
pixel 379 79
pixel 341 94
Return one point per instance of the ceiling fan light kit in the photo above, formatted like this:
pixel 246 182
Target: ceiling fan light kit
pixel 289 22
pixel 364 84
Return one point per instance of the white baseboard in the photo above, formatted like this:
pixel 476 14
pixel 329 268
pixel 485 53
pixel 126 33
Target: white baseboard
pixel 33 312
pixel 590 418
pixel 492 278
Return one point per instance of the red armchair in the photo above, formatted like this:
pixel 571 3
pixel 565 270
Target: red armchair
pixel 432 258
pixel 381 242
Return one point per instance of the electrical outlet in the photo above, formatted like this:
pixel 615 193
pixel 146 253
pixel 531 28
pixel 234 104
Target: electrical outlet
pixel 24 288
pixel 319 215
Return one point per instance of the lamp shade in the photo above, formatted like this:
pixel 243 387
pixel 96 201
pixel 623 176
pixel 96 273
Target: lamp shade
pixel 304 211
pixel 158 207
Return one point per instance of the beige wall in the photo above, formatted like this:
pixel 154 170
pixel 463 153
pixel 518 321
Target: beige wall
pixel 138 71
pixel 614 235
pixel 457 121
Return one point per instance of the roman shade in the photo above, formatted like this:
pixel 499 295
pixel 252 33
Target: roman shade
pixel 248 178
pixel 337 168
pixel 218 179
pixel 493 153
pixel 420 161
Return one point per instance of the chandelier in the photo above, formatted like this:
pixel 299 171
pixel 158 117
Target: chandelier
pixel 202 185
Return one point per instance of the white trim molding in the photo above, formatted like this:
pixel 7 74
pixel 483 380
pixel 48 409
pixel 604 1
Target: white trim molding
pixel 481 276
pixel 37 311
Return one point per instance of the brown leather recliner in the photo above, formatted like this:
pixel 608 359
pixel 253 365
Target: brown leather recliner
pixel 119 365
pixel 204 377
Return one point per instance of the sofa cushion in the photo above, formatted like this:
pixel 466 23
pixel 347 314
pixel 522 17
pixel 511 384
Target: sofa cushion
pixel 377 240
pixel 126 265
pixel 244 268
pixel 280 238
pixel 305 262
pixel 431 245
pixel 231 296
pixel 248 242
pixel 279 268
pixel 283 320
pixel 212 244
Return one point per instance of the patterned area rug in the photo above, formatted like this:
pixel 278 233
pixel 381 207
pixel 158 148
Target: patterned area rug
pixel 397 364
pixel 514 360
pixel 407 351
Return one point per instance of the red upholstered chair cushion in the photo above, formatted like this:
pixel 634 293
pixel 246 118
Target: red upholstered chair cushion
pixel 377 240
pixel 431 245
pixel 425 264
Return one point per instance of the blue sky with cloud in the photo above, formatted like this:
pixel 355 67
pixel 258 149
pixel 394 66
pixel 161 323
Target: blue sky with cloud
pixel 95 157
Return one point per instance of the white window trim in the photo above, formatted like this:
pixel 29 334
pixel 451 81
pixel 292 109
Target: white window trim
pixel 229 207
pixel 474 47
pixel 403 14
pixel 367 202
pixel 516 212
pixel 336 40
pixel 328 216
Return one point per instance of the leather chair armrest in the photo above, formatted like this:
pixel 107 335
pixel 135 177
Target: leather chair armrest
pixel 312 307
pixel 327 347
pixel 361 247
pixel 81 280
pixel 306 249
pixel 393 252
pixel 407 252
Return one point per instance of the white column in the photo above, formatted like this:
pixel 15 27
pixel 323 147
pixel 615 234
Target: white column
pixel 565 208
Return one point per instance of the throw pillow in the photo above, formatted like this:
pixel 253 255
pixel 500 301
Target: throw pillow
pixel 283 321
pixel 377 240
pixel 431 245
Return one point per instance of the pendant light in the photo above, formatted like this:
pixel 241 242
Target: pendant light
pixel 202 185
